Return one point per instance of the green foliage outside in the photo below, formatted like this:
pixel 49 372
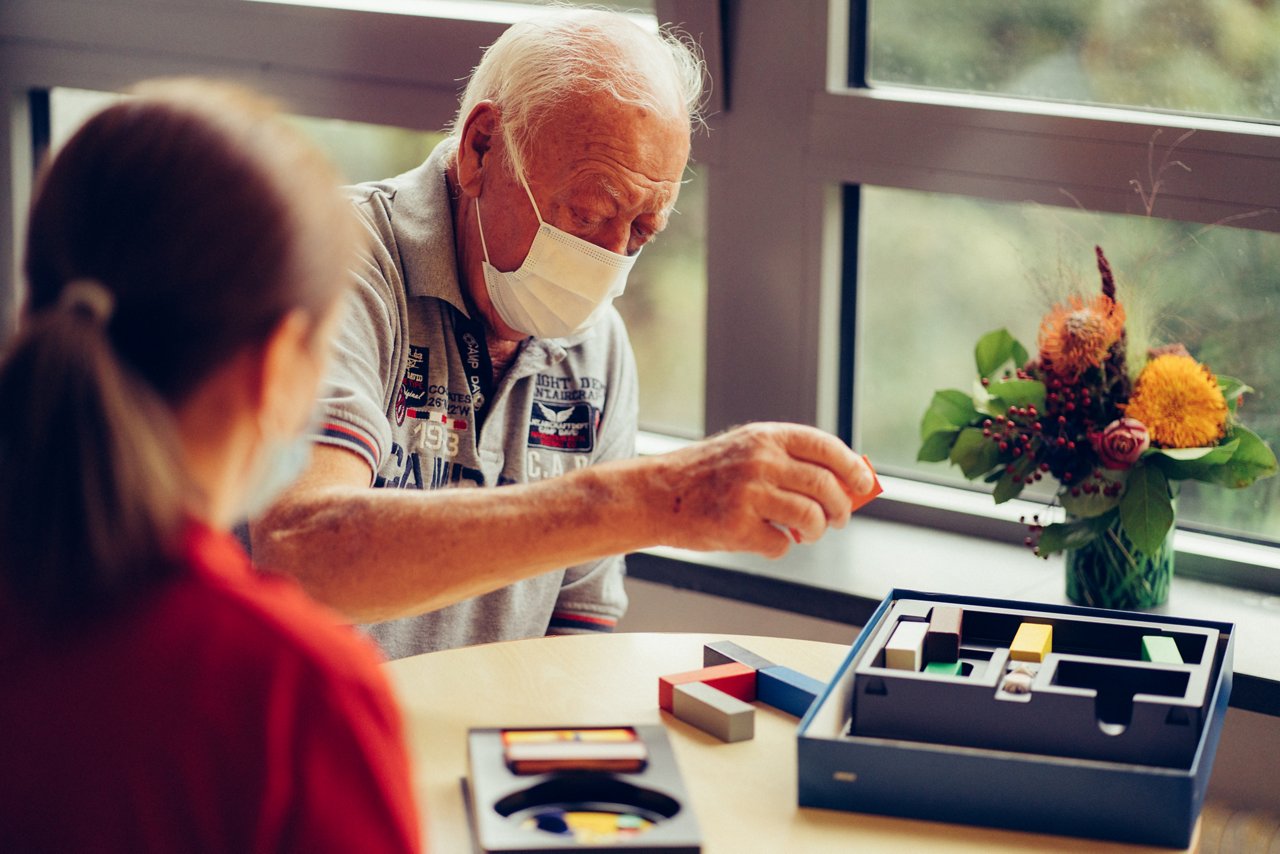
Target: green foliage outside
pixel 1219 57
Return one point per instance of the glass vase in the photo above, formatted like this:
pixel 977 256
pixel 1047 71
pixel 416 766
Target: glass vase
pixel 1110 572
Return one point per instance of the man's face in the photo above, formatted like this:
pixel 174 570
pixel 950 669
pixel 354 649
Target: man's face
pixel 606 172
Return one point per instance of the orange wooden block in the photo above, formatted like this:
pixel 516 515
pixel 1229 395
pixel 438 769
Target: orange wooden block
pixel 860 501
pixel 735 679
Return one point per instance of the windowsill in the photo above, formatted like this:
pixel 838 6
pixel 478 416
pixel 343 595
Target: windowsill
pixel 847 573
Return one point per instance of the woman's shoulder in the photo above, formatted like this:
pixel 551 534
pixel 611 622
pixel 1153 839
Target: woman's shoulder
pixel 269 619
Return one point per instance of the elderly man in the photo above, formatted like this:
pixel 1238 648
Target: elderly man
pixel 482 350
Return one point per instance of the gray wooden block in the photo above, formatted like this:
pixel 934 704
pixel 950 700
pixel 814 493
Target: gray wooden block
pixel 713 711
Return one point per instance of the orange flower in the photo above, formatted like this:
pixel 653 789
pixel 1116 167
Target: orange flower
pixel 1076 335
pixel 1180 402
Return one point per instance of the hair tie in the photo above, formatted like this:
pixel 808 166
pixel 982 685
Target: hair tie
pixel 89 297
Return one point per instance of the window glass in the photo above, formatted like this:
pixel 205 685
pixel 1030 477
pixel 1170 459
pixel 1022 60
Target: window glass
pixel 665 302
pixel 1220 57
pixel 665 307
pixel 935 272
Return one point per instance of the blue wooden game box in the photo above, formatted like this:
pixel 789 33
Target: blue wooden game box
pixel 1102 743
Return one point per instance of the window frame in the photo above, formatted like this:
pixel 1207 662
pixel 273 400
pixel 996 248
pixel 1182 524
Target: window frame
pixel 788 137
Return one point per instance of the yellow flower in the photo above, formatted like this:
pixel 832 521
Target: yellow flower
pixel 1077 335
pixel 1180 402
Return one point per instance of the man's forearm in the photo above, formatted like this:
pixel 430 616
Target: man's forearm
pixel 379 554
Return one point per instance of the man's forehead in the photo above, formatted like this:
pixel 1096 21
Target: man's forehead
pixel 634 190
pixel 599 127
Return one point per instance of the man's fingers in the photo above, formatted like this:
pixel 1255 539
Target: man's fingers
pixel 802 517
pixel 761 487
pixel 808 444
pixel 817 484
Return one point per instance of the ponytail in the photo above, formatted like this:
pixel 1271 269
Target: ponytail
pixel 172 231
pixel 92 485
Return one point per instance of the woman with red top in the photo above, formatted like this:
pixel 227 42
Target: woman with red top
pixel 185 262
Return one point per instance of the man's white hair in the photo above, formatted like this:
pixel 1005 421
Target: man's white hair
pixel 539 63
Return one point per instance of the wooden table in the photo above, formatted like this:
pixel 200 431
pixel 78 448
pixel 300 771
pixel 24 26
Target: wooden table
pixel 744 793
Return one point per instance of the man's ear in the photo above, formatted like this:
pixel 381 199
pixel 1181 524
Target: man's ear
pixel 476 146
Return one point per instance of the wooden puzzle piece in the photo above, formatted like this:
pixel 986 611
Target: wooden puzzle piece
pixel 713 711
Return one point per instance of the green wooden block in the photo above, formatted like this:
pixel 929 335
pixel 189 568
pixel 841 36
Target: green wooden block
pixel 946 668
pixel 1160 649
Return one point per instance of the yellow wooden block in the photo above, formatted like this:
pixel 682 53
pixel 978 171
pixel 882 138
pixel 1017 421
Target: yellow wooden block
pixel 1032 642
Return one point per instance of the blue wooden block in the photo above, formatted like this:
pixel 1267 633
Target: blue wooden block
pixel 785 689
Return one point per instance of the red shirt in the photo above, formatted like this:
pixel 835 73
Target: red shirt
pixel 224 712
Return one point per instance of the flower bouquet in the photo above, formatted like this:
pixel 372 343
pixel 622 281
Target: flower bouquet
pixel 1116 437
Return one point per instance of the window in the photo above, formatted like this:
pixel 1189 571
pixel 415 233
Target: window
pixel 665 307
pixel 970 208
pixel 1195 57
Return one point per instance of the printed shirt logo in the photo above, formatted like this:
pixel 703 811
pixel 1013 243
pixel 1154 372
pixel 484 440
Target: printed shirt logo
pixel 414 391
pixel 423 401
pixel 569 428
pixel 471 359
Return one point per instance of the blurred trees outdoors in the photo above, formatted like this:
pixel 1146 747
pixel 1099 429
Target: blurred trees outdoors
pixel 967 266
pixel 1218 57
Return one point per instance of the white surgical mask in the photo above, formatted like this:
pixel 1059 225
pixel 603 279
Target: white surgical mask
pixel 279 464
pixel 564 285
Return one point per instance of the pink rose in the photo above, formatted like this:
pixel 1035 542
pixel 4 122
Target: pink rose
pixel 1121 443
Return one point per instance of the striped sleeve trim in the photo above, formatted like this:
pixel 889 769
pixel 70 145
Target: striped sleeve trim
pixel 569 621
pixel 355 440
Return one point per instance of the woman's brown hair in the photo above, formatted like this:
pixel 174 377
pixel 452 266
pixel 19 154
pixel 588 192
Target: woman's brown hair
pixel 174 229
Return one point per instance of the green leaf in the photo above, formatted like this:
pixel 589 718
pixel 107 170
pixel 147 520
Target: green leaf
pixel 1074 534
pixel 1252 459
pixel 1006 489
pixel 1212 453
pixel 995 349
pixel 1018 393
pixel 1146 508
pixel 949 410
pixel 1232 390
pixel 1197 463
pixel 1087 505
pixel 974 453
pixel 937 447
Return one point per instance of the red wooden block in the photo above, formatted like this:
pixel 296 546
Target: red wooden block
pixel 735 679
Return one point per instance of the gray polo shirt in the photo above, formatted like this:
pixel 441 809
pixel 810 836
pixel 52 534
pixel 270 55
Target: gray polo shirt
pixel 399 397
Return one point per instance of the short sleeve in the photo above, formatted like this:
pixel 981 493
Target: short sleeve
pixel 367 355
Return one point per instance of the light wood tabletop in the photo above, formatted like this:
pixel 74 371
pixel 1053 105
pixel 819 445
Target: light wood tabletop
pixel 744 794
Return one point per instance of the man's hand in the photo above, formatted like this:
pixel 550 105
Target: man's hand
pixel 744 490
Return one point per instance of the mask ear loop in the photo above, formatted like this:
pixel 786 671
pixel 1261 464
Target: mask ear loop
pixel 480 224
pixel 529 193
pixel 480 220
